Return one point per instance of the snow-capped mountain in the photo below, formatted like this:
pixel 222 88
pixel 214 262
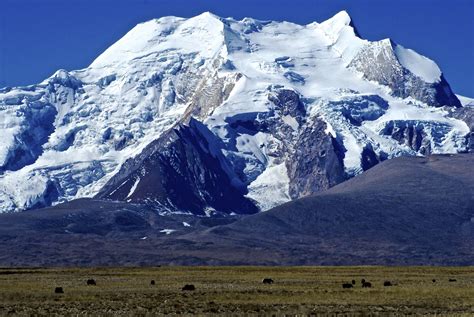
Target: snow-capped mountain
pixel 211 114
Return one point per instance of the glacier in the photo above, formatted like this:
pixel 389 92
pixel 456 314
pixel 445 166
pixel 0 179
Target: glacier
pixel 285 109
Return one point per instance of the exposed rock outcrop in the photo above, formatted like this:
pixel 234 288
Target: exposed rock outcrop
pixel 316 164
pixel 183 170
pixel 379 62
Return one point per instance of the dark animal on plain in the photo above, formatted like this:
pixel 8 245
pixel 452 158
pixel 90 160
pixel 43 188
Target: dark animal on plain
pixel 434 281
pixel 267 281
pixel 353 282
pixel 387 283
pixel 347 285
pixel 152 282
pixel 91 282
pixel 367 285
pixel 452 280
pixel 188 287
pixel 59 290
pixel 362 281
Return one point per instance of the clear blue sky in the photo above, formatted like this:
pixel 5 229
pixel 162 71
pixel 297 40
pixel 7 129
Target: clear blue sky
pixel 38 37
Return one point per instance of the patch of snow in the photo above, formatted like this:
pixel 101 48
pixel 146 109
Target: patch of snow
pixel 291 121
pixel 271 187
pixel 134 187
pixel 352 156
pixel 167 231
pixel 186 224
pixel 209 211
pixel 419 65
pixel 329 130
pixel 466 101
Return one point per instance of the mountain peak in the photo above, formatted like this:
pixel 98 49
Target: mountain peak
pixel 341 18
pixel 208 15
pixel 339 21
pixel 200 33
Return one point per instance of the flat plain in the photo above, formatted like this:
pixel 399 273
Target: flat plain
pixel 238 291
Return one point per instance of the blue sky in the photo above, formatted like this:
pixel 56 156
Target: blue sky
pixel 38 37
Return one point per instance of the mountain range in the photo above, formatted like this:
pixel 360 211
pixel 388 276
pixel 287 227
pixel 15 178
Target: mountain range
pixel 211 115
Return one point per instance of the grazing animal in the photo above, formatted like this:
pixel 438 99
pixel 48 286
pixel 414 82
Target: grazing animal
pixel 353 282
pixel 367 284
pixel 91 282
pixel 152 282
pixel 188 287
pixel 452 280
pixel 59 290
pixel 267 281
pixel 434 281
pixel 362 281
pixel 347 285
pixel 387 283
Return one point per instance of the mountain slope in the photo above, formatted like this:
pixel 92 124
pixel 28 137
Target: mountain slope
pixel 290 110
pixel 183 164
pixel 405 211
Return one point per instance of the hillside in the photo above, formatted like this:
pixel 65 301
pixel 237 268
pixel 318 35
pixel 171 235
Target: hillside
pixel 405 211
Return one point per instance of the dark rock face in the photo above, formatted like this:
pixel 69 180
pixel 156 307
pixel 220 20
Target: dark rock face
pixel 466 114
pixel 369 158
pixel 183 170
pixel 379 63
pixel 359 109
pixel 288 102
pixel 410 133
pixel 316 164
pixel 312 157
pixel 444 95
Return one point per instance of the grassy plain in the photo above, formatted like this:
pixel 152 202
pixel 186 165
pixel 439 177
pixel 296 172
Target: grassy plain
pixel 238 291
